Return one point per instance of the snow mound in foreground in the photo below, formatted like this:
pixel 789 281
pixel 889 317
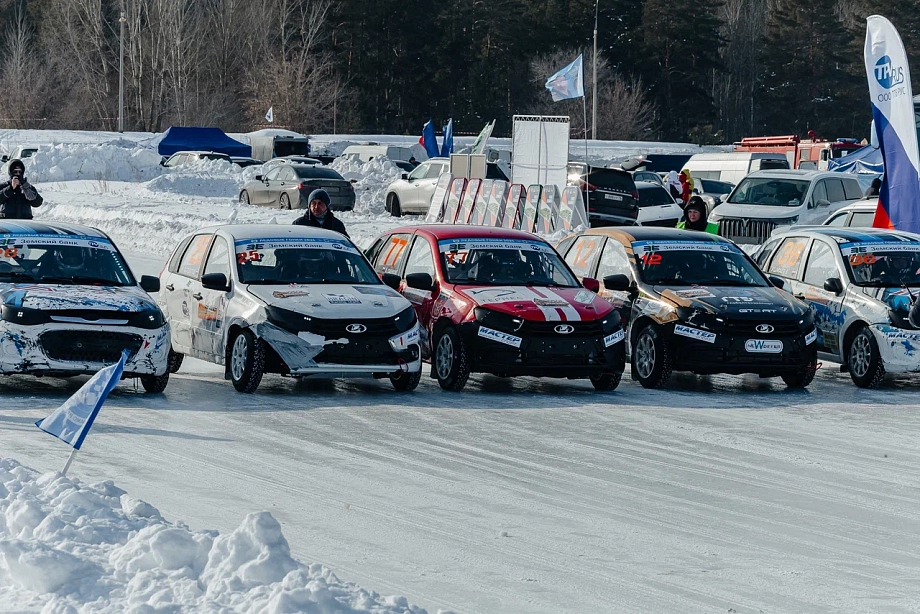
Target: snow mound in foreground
pixel 104 162
pixel 372 180
pixel 68 547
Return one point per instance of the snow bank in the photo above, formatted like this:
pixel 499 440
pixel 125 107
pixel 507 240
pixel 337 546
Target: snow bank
pixel 372 180
pixel 109 162
pixel 68 547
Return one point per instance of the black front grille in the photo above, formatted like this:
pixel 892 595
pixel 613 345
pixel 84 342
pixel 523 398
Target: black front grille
pixel 89 345
pixel 789 328
pixel 668 223
pixel 749 231
pixel 385 327
pixel 581 329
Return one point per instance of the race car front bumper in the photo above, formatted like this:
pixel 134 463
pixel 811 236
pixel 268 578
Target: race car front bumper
pixel 899 348
pixel 74 349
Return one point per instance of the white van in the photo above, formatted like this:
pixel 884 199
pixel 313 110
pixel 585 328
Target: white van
pixel 733 166
pixel 366 153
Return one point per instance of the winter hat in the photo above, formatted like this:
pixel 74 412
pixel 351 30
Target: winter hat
pixel 697 203
pixel 14 164
pixel 319 194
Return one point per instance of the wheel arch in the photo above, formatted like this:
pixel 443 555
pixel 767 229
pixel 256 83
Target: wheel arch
pixel 851 330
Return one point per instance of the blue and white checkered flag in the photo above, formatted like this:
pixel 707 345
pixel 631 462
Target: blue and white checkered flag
pixel 71 421
pixel 568 82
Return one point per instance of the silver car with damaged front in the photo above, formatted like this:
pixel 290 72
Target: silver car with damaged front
pixel 862 285
pixel 293 300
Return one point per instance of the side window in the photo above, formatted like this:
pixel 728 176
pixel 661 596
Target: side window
pixel 820 193
pixel 788 259
pixel 852 190
pixel 863 219
pixel 434 171
pixel 219 258
pixel 194 256
pixel 766 252
pixel 177 255
pixel 286 173
pixel 838 220
pixel 564 245
pixel 391 254
pixel 272 174
pixel 373 250
pixel 835 191
pixel 421 171
pixel 420 258
pixel 584 253
pixel 821 265
pixel 614 261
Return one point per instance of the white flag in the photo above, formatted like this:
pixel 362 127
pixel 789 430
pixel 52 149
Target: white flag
pixel 270 116
pixel 479 147
pixel 71 421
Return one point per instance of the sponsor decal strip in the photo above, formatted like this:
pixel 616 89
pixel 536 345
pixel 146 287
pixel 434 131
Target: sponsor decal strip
pixel 495 335
pixel 614 338
pixel 643 247
pixel 459 245
pixel 38 240
pixel 850 249
pixel 694 333
pixel 246 245
pixel 811 337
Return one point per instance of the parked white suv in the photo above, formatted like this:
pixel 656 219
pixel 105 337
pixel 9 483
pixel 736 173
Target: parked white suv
pixel 412 193
pixel 766 199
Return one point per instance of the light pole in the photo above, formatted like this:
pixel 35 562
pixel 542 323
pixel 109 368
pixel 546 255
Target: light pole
pixel 594 78
pixel 121 70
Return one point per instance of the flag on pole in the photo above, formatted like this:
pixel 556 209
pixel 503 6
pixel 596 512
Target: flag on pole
pixel 568 82
pixel 893 115
pixel 447 143
pixel 429 141
pixel 270 116
pixel 479 146
pixel 71 421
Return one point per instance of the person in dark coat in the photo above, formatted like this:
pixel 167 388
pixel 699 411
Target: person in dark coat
pixel 18 196
pixel 696 217
pixel 319 215
pixel 874 188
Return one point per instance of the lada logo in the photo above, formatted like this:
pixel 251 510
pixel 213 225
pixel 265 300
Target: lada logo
pixel 565 329
pixel 356 328
pixel 764 328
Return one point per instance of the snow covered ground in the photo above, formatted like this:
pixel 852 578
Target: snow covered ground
pixel 716 494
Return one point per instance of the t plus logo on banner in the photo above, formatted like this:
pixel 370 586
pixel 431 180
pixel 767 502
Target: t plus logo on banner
pixel 887 75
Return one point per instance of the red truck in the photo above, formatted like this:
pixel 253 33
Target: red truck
pixel 811 153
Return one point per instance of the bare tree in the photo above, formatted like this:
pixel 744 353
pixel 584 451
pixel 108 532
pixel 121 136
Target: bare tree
pixel 22 81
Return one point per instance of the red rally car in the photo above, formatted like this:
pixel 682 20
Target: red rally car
pixel 499 301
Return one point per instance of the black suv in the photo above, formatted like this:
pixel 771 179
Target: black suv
pixel 610 194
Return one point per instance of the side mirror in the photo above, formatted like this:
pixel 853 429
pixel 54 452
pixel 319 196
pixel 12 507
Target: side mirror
pixel 779 282
pixel 258 177
pixel 833 285
pixel 392 280
pixel 591 284
pixel 215 281
pixel 149 283
pixel 405 175
pixel 823 203
pixel 420 281
pixel 618 282
pixel 7 159
pixel 162 160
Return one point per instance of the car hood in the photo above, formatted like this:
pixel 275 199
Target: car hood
pixel 767 212
pixel 539 304
pixel 739 303
pixel 53 297
pixel 333 301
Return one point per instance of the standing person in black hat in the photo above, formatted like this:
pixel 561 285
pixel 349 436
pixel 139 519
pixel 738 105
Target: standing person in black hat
pixel 18 196
pixel 319 215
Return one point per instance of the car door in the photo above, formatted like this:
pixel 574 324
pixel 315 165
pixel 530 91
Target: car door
pixel 180 289
pixel 583 255
pixel 260 192
pixel 390 257
pixel 786 263
pixel 615 261
pixel 420 259
pixel 288 183
pixel 827 306
pixel 427 186
pixel 409 198
pixel 274 185
pixel 209 306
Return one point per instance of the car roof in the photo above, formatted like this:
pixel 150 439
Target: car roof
pixel 210 153
pixel 259 231
pixel 43 228
pixel 648 185
pixel 794 173
pixel 866 204
pixel 464 231
pixel 855 235
pixel 628 234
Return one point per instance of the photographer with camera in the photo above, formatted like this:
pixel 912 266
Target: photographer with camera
pixel 18 196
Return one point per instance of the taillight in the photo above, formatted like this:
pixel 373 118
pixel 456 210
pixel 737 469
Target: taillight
pixel 301 186
pixel 635 194
pixel 590 187
pixel 349 188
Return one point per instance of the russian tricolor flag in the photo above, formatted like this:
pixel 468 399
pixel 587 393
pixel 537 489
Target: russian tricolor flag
pixel 893 112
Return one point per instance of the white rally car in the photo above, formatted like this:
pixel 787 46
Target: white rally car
pixel 71 306
pixel 293 300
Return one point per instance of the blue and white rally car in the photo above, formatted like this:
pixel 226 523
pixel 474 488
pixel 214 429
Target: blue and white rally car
pixel 862 285
pixel 70 305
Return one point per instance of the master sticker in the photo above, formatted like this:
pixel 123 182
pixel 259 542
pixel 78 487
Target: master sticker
pixel 342 299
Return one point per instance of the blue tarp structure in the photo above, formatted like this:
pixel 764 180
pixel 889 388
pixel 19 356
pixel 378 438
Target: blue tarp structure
pixel 865 160
pixel 200 139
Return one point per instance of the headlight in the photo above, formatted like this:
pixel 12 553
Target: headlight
pixel 288 320
pixel 405 319
pixel 150 318
pixel 699 318
pixel 23 315
pixel 807 321
pixel 789 221
pixel 611 322
pixel 498 320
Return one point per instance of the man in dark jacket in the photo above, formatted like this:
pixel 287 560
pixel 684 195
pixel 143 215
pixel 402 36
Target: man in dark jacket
pixel 319 215
pixel 18 196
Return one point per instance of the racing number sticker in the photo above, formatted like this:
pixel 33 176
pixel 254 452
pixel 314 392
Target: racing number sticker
pixel 585 248
pixel 9 252
pixel 862 259
pixel 250 256
pixel 651 259
pixel 391 257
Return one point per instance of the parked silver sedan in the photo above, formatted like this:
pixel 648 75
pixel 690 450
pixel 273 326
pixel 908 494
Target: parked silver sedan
pixel 287 186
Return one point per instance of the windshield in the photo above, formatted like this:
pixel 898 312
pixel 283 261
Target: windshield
pixel 888 265
pixel 297 260
pixel 686 263
pixel 654 197
pixel 711 186
pixel 766 191
pixel 503 262
pixel 62 259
